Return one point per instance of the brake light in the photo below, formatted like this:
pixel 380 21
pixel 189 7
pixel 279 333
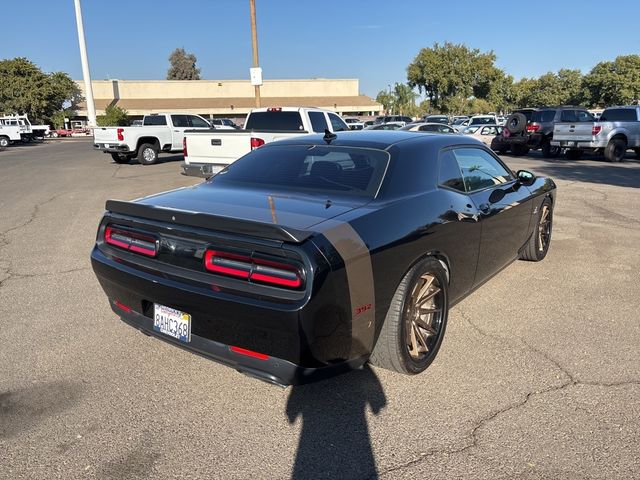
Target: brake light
pixel 595 130
pixel 274 109
pixel 256 142
pixel 532 128
pixel 184 146
pixel 122 306
pixel 132 241
pixel 253 269
pixel 120 132
pixel 249 353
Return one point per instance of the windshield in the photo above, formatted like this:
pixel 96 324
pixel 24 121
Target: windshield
pixel 482 120
pixel 313 169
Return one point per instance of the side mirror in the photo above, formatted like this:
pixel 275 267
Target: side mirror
pixel 525 177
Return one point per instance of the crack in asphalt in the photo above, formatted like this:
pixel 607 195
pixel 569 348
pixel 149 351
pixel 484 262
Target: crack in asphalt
pixel 473 437
pixel 8 270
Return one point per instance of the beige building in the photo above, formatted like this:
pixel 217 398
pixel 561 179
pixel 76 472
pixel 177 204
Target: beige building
pixel 228 98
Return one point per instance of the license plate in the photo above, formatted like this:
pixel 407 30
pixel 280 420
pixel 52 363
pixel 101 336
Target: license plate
pixel 569 144
pixel 172 322
pixel 106 145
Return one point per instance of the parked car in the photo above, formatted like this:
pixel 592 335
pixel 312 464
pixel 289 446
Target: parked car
pixel 368 123
pixel 160 132
pixel 386 126
pixel 354 123
pixel 617 130
pixel 529 128
pixel 484 133
pixel 136 123
pixel 208 152
pixel 279 266
pixel 436 119
pixel 224 124
pixel 428 127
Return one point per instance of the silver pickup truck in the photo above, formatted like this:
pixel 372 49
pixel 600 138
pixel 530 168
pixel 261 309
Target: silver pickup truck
pixel 617 131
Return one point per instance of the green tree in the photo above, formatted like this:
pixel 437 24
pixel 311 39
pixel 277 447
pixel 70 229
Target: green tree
pixel 452 70
pixel 26 89
pixel 404 99
pixel 614 83
pixel 183 66
pixel 114 116
pixel 386 99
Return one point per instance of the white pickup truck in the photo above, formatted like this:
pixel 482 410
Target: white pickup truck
pixel 160 132
pixel 208 152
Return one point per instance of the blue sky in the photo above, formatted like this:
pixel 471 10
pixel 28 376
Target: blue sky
pixel 370 40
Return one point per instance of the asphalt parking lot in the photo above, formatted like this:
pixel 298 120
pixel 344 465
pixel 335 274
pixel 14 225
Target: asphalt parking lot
pixel 538 376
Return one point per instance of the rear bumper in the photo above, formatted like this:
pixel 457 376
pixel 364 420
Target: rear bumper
pixel 202 170
pixel 111 148
pixel 577 144
pixel 219 320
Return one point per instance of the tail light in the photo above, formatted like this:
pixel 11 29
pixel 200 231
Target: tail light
pixel 133 241
pixel 253 269
pixel 595 130
pixel 184 146
pixel 120 132
pixel 274 109
pixel 256 142
pixel 533 127
pixel 506 133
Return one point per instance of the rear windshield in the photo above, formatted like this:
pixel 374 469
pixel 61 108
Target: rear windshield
pixel 542 116
pixel 618 115
pixel 274 121
pixel 482 120
pixel 155 120
pixel 316 168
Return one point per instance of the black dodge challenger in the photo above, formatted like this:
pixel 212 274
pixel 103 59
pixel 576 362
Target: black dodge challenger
pixel 311 256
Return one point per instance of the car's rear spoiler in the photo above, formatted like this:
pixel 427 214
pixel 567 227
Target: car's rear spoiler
pixel 211 222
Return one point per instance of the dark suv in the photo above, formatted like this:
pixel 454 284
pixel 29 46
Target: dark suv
pixel 530 128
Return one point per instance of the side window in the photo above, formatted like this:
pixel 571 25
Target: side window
pixel 179 120
pixel 337 124
pixel 318 122
pixel 568 116
pixel 449 174
pixel 198 122
pixel 427 128
pixel 479 169
pixel 488 131
pixel 216 122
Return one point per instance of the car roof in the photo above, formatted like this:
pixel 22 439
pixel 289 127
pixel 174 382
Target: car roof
pixel 379 139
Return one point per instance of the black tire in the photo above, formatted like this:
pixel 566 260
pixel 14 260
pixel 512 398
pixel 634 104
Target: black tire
pixel 548 150
pixel 392 350
pixel 519 150
pixel 4 142
pixel 120 158
pixel 498 146
pixel 147 154
pixel 538 244
pixel 573 154
pixel 516 123
pixel 615 150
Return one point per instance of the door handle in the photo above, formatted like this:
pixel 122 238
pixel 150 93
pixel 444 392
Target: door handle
pixel 484 208
pixel 177 131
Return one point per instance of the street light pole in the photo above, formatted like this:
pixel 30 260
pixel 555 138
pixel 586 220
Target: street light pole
pixel 91 108
pixel 254 44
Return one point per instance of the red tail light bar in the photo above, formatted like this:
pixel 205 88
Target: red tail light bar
pixel 532 127
pixel 595 130
pixel 120 132
pixel 253 269
pixel 184 147
pixel 133 241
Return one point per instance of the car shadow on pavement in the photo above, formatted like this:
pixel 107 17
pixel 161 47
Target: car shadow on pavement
pixel 161 159
pixel 334 441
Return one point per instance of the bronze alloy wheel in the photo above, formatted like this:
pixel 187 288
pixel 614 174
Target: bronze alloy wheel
pixel 423 317
pixel 544 228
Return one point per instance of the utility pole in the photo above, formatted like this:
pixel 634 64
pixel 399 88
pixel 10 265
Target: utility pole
pixel 256 72
pixel 91 109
